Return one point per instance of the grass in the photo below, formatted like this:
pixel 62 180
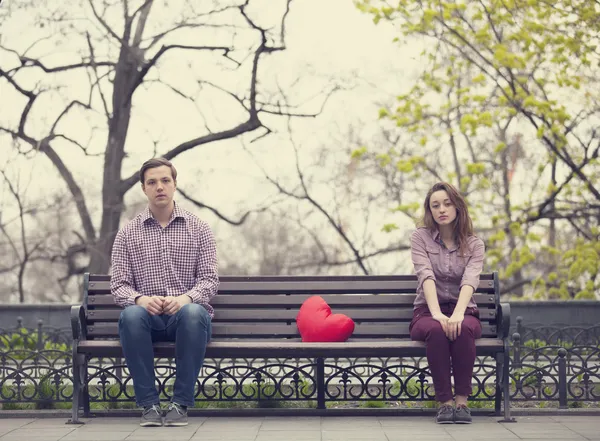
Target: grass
pixel 374 404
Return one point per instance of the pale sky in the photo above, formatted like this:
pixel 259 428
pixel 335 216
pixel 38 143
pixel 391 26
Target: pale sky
pixel 328 43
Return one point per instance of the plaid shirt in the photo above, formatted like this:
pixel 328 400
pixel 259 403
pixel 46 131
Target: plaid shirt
pixel 148 260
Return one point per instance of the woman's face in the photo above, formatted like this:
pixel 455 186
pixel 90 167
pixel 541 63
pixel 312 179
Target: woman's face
pixel 442 208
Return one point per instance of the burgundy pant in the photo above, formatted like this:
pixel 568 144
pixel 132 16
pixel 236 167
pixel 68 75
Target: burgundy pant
pixel 443 353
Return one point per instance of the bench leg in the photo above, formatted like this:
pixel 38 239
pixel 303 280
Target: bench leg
pixel 77 386
pixel 85 391
pixel 499 384
pixel 506 386
pixel 320 379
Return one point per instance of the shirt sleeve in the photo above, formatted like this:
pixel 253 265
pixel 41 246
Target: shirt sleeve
pixel 207 273
pixel 474 266
pixel 420 259
pixel 121 279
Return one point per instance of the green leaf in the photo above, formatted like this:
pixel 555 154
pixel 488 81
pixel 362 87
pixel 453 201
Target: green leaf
pixel 358 153
pixel 388 228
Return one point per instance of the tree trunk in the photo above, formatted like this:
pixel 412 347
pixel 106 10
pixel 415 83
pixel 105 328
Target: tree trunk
pixel 552 232
pixel 112 191
pixel 518 274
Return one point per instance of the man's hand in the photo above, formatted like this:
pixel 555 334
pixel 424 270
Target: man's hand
pixel 443 321
pixel 455 325
pixel 173 304
pixel 153 304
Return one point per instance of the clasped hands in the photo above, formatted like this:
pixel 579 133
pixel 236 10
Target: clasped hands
pixel 157 305
pixel 451 325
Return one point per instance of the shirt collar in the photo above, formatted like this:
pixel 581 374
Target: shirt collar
pixel 177 212
pixel 437 238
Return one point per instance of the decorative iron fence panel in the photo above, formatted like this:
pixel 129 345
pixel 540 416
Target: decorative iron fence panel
pixel 554 366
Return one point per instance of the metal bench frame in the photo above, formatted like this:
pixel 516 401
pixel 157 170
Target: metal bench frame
pixel 255 317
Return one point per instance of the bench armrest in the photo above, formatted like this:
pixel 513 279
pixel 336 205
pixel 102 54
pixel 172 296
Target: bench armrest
pixel 78 322
pixel 504 320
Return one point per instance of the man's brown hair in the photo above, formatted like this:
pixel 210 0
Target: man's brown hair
pixel 463 226
pixel 156 162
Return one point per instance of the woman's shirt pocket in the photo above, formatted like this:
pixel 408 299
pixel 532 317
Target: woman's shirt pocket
pixel 433 252
pixel 460 264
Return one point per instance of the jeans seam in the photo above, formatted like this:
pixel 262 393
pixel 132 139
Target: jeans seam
pixel 179 402
pixel 148 403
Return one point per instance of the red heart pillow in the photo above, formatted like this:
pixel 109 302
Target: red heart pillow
pixel 316 323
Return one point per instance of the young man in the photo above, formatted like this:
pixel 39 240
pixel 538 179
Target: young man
pixel 164 273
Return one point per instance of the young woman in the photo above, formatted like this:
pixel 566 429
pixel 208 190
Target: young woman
pixel 448 259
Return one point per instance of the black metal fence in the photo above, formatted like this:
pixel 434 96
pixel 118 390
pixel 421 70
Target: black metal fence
pixel 551 366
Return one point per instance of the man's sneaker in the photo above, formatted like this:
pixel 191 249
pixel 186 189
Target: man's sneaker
pixel 462 415
pixel 151 416
pixel 176 415
pixel 445 415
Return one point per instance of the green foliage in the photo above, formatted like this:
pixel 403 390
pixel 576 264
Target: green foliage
pixel 527 376
pixel 388 228
pixel 576 275
pixel 359 153
pixel 494 68
pixel 409 209
pixel 48 395
pixel 24 339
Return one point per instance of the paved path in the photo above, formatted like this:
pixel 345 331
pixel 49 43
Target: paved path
pixel 305 429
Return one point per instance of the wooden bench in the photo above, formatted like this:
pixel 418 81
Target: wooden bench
pixel 255 317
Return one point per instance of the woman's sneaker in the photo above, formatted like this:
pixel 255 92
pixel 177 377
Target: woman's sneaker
pixel 462 415
pixel 151 416
pixel 445 415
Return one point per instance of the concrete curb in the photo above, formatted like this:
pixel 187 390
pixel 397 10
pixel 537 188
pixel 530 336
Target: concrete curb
pixel 300 412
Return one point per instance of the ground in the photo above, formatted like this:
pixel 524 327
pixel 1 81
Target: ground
pixel 408 428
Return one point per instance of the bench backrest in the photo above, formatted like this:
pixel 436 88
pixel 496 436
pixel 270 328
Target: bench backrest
pixel 265 307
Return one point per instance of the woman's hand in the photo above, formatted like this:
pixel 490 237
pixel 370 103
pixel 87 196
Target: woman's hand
pixel 443 321
pixel 454 325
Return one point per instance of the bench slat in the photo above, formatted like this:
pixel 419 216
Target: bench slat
pixel 248 285
pixel 296 300
pixel 483 276
pixel 278 330
pixel 294 349
pixel 229 315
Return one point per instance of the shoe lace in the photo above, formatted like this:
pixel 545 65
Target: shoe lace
pixel 176 407
pixel 154 408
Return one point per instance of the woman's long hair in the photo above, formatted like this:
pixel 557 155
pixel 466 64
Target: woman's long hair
pixel 463 226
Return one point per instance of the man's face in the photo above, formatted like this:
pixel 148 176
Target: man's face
pixel 159 186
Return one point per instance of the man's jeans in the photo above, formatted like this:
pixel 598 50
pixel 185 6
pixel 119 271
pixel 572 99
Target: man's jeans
pixel 189 328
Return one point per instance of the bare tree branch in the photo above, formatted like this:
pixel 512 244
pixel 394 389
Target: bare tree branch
pixel 96 83
pixel 227 134
pixel 65 111
pixel 74 188
pixel 217 213
pixel 123 74
pixel 507 289
pixel 147 66
pixel 327 262
pixel 106 26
